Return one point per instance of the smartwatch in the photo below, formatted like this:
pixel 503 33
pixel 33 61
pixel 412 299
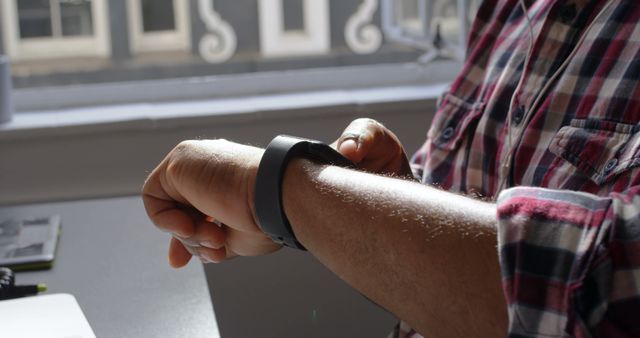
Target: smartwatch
pixel 268 192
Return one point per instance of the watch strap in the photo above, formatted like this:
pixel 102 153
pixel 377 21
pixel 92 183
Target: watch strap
pixel 268 192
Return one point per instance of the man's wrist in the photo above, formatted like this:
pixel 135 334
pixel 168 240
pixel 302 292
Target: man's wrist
pixel 300 175
pixel 268 192
pixel 251 175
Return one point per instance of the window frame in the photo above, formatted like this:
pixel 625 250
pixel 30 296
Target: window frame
pixel 18 49
pixel 178 39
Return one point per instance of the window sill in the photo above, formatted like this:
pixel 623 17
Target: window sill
pixel 252 109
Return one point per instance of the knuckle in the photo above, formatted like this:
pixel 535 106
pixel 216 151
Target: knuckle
pixel 178 155
pixel 374 127
pixel 371 122
pixel 359 127
pixel 362 120
pixel 365 123
pixel 147 184
pixel 184 146
pixel 173 167
pixel 349 135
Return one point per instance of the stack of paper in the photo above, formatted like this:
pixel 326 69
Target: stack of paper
pixel 50 316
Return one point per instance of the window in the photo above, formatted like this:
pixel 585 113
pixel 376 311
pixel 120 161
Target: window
pixel 439 27
pixel 158 25
pixel 118 41
pixel 44 29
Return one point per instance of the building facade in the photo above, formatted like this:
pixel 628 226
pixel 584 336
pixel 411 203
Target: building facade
pixel 59 42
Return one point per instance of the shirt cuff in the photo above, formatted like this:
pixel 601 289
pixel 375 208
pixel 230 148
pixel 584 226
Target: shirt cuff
pixel 547 242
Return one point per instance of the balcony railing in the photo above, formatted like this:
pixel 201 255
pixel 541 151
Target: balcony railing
pixel 207 37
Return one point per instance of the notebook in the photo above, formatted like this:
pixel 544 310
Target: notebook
pixel 46 316
pixel 28 243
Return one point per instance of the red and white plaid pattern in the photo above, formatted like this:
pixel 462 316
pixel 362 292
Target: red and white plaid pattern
pixel 551 106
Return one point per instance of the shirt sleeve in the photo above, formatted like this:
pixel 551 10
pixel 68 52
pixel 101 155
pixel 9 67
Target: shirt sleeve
pixel 570 262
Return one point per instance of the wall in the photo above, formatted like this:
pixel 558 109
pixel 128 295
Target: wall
pixel 115 163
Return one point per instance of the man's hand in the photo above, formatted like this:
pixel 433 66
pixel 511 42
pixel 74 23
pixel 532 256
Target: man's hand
pixel 203 180
pixel 373 148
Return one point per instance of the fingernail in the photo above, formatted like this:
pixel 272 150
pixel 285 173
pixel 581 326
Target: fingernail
pixel 183 234
pixel 208 259
pixel 350 143
pixel 210 245
pixel 205 260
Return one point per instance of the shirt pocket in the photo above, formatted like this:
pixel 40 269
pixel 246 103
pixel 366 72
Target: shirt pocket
pixel 600 150
pixel 452 120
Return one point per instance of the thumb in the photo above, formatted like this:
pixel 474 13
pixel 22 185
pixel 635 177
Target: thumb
pixel 350 149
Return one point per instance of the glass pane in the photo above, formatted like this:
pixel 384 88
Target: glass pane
pixel 35 18
pixel 158 15
pixel 176 55
pixel 293 15
pixel 76 17
pixel 446 21
pixel 409 16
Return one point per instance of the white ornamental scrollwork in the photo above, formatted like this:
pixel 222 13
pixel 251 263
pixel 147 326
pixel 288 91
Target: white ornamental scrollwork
pixel 220 42
pixel 361 35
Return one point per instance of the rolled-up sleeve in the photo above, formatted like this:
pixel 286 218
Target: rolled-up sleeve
pixel 570 262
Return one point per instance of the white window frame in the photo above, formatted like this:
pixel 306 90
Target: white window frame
pixel 20 49
pixel 313 39
pixel 160 41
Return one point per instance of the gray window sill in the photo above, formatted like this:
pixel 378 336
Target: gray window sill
pixel 251 109
pixel 172 103
pixel 236 85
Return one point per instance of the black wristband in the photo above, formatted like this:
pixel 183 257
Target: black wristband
pixel 268 192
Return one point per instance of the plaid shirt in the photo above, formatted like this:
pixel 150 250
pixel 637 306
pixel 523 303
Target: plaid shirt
pixel 544 119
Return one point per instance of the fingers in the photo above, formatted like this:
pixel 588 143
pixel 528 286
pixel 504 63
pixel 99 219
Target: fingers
pixel 349 149
pixel 194 234
pixel 250 244
pixel 212 243
pixel 179 256
pixel 356 139
pixel 208 255
pixel 164 211
pixel 372 146
pixel 206 234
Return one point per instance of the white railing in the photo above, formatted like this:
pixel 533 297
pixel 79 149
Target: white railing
pixel 427 30
pixel 220 42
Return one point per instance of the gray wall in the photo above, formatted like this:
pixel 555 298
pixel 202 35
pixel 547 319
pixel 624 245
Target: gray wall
pixel 114 162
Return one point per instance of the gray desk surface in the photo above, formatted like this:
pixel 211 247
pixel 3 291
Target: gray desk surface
pixel 113 261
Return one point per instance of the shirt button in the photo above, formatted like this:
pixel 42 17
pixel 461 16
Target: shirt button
pixel 447 133
pixel 610 165
pixel 518 115
pixel 568 13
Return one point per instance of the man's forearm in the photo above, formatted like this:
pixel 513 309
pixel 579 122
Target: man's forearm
pixel 426 255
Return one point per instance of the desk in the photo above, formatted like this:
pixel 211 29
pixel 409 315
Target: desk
pixel 112 259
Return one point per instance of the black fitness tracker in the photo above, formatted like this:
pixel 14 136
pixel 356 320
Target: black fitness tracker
pixel 268 192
